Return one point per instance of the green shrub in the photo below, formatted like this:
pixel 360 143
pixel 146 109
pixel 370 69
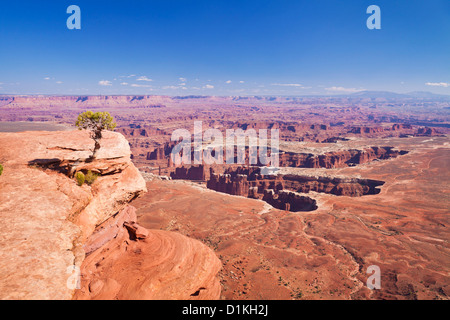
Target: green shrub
pixel 91 177
pixel 80 178
pixel 1 169
pixel 95 123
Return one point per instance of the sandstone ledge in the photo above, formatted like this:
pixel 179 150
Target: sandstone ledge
pixel 46 219
pixel 126 261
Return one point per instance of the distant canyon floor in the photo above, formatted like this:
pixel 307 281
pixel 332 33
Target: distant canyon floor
pixel 268 253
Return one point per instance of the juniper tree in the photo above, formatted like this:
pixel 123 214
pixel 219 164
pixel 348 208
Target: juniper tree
pixel 95 122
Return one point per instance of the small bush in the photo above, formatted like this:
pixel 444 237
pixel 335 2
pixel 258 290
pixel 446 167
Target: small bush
pixel 1 169
pixel 80 178
pixel 91 177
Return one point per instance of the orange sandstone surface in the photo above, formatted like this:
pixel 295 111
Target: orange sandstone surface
pixel 50 227
pixel 147 264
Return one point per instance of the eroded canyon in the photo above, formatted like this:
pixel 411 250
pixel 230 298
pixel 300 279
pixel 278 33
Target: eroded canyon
pixel 361 181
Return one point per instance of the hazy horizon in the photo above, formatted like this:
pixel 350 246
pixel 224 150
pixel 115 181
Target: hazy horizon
pixel 343 95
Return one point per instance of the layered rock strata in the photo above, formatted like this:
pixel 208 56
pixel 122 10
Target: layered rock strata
pixel 281 190
pixel 49 224
pixel 338 159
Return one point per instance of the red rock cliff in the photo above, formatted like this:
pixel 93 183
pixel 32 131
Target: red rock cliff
pixel 50 227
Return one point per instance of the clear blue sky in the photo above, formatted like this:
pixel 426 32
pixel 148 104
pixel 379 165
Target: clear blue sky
pixel 224 47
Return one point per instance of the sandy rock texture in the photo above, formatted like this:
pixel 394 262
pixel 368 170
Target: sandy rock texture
pixel 59 240
pixel 137 263
pixel 45 216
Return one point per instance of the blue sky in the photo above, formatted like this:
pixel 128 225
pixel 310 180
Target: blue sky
pixel 224 47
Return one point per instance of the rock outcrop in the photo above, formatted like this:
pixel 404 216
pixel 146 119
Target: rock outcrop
pixel 195 172
pixel 426 132
pixel 338 159
pixel 49 224
pixel 159 264
pixel 236 185
pixel 280 191
pixel 289 201
pixel 45 216
pixel 366 130
pixel 247 181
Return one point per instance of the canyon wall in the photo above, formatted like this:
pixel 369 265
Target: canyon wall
pixel 281 191
pixel 328 160
pixel 242 181
pixel 51 227
pixel 289 201
pixel 338 159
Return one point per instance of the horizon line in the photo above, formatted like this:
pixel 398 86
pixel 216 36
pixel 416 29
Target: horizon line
pixel 353 94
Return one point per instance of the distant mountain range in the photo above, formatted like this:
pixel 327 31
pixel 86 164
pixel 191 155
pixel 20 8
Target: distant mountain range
pixel 360 94
pixel 394 95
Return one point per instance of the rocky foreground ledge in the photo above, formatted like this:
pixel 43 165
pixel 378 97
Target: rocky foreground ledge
pixel 50 228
